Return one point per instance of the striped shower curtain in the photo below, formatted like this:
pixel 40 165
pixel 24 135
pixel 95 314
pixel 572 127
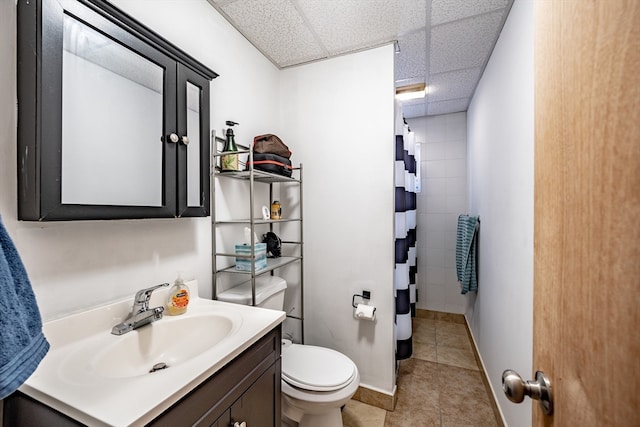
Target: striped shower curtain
pixel 405 234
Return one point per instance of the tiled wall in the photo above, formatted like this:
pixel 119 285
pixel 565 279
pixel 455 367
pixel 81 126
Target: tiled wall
pixel 442 199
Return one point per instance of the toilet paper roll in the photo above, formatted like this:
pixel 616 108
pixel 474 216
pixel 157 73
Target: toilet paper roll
pixel 365 312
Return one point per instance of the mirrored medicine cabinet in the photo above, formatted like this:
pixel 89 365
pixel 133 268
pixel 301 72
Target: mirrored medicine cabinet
pixel 113 120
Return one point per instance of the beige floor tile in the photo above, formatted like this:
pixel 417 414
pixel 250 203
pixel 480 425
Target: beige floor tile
pixel 440 385
pixel 425 314
pixel 424 351
pixel 459 357
pixel 452 422
pixel 418 395
pixel 358 414
pixel 450 317
pixel 463 398
pixel 455 340
pixel 420 371
pixel 418 417
pixel 450 328
pixel 419 322
pixel 424 332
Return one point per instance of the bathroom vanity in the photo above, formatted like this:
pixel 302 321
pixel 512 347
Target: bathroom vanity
pixel 223 369
pixel 246 390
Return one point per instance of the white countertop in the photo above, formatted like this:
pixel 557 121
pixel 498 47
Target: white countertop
pixel 63 382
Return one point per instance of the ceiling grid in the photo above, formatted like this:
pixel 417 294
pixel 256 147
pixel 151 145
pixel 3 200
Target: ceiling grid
pixel 443 43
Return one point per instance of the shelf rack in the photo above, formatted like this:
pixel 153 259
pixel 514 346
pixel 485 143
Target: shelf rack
pixel 253 176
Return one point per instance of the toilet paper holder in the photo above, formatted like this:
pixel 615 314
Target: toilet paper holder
pixel 366 295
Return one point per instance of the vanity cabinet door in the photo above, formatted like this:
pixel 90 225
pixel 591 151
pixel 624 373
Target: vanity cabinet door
pixel 223 421
pixel 259 405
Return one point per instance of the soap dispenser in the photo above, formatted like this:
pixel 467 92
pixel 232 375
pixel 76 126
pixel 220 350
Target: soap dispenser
pixel 178 298
pixel 229 161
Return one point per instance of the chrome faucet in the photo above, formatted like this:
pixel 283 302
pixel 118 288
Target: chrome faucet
pixel 141 314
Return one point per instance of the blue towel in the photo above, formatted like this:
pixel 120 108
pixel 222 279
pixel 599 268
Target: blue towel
pixel 22 343
pixel 466 252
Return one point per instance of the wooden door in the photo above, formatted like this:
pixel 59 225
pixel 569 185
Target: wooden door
pixel 587 210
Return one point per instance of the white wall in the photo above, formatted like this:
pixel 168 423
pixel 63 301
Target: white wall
pixel 338 115
pixel 500 145
pixel 80 264
pixel 342 106
pixel 443 198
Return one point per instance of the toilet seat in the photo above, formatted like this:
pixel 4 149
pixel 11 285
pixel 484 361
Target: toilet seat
pixel 316 368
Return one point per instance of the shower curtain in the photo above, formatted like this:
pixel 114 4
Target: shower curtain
pixel 405 235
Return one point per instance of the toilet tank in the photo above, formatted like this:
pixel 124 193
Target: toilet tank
pixel 269 293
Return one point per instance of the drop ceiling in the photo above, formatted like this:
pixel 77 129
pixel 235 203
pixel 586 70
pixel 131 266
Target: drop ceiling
pixel 443 43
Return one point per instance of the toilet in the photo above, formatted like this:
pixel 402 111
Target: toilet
pixel 316 381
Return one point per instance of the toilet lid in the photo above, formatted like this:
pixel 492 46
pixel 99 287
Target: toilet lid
pixel 316 368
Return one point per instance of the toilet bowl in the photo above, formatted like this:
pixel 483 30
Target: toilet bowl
pixel 316 381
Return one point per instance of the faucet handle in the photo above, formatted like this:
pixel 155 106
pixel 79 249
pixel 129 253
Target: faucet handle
pixel 144 295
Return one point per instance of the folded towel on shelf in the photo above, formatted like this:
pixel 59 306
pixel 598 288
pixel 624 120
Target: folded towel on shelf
pixel 22 343
pixel 466 252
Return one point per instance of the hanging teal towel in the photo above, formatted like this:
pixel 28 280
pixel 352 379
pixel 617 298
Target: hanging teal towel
pixel 466 252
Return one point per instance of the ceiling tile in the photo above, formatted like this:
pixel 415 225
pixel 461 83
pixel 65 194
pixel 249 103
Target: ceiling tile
pixel 456 84
pixel 451 10
pixel 347 25
pixel 448 106
pixel 411 62
pixel 412 102
pixel 276 29
pixel 414 110
pixel 444 43
pixel 464 44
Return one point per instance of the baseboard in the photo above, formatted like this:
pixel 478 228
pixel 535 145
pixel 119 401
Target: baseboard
pixel 377 398
pixel 485 379
pixel 439 315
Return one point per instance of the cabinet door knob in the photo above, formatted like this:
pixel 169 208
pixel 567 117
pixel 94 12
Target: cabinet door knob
pixel 185 140
pixel 173 138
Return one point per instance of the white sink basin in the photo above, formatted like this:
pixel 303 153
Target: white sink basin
pixel 164 344
pixel 101 379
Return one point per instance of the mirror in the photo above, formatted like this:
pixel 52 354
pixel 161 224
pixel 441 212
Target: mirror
pixel 104 120
pixel 193 149
pixel 112 122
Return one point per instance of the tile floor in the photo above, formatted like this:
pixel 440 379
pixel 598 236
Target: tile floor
pixel 440 385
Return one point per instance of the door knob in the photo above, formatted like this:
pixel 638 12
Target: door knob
pixel 173 138
pixel 516 389
pixel 185 140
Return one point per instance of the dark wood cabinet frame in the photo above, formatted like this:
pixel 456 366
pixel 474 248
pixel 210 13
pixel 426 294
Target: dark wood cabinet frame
pixel 39 78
